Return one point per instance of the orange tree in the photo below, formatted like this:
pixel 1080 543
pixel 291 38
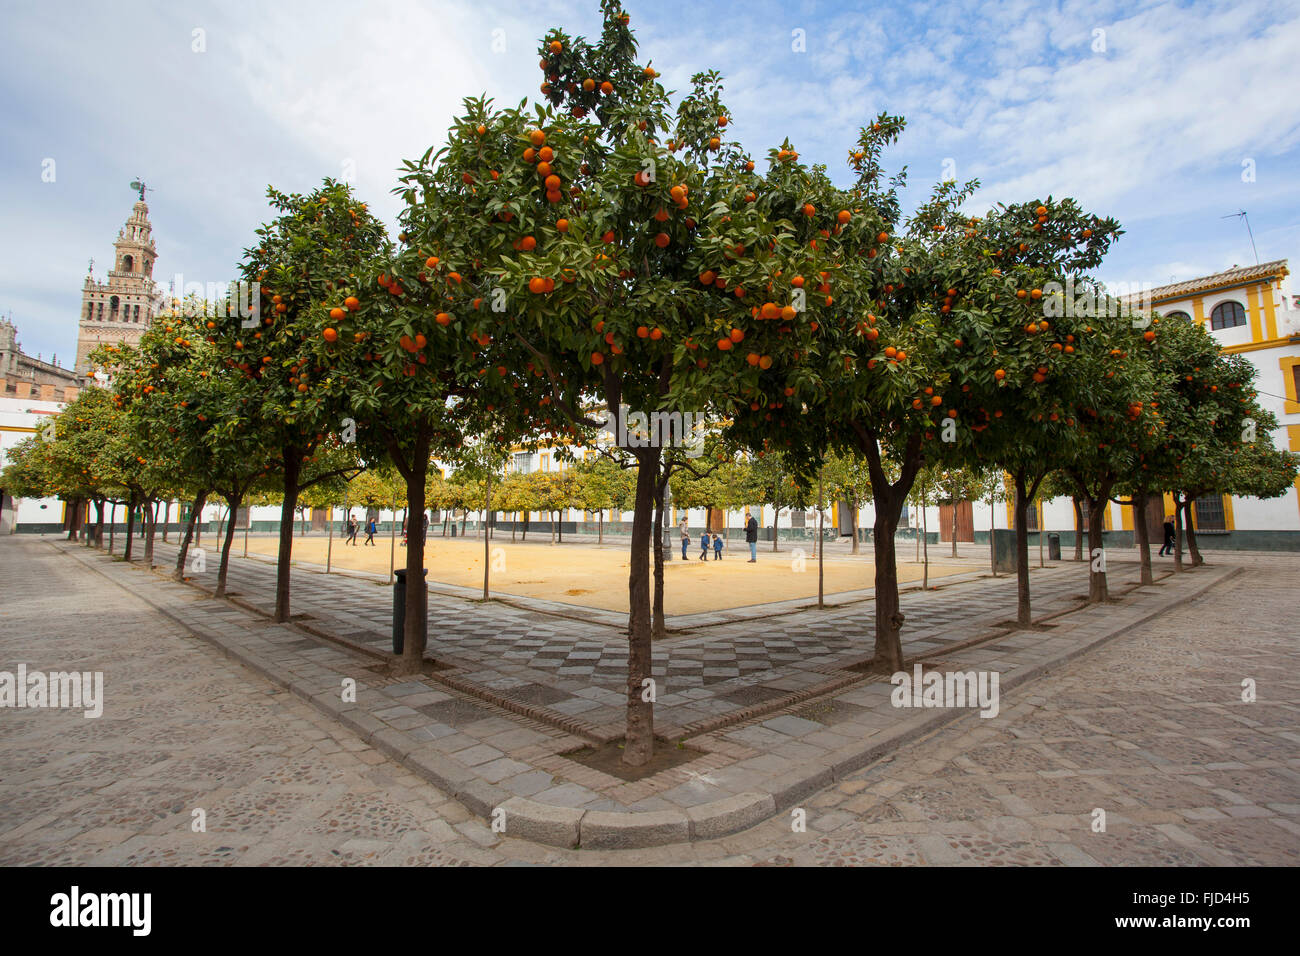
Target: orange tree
pixel 188 413
pixel 311 259
pixel 74 462
pixel 417 385
pixel 1029 354
pixel 570 241
pixel 123 455
pixel 39 467
pixel 1172 430
pixel 930 343
pixel 1114 431
pixel 1217 439
pixel 148 405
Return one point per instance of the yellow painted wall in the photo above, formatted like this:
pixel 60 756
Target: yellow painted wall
pixel 1270 313
pixel 1253 313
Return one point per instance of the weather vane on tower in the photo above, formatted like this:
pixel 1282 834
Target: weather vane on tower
pixel 139 186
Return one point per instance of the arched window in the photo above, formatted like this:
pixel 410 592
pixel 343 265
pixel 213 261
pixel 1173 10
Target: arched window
pixel 101 312
pixel 136 314
pixel 1181 316
pixel 90 310
pixel 127 263
pixel 112 308
pixel 1227 315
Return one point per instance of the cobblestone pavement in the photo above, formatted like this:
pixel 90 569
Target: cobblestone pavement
pixel 572 668
pixel 1149 728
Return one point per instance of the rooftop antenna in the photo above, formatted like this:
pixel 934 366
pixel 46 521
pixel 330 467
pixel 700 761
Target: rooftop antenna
pixel 1242 216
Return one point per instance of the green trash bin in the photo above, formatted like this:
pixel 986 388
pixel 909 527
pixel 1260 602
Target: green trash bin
pixel 1004 550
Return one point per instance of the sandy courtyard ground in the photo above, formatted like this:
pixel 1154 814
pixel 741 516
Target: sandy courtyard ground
pixel 584 574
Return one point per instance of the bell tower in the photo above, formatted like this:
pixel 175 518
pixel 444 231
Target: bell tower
pixel 122 307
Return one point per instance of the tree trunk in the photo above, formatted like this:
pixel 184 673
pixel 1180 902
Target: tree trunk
pixel 776 527
pixel 291 461
pixel 1143 536
pixel 821 541
pixel 1178 532
pixel 415 632
pixel 233 503
pixel 199 501
pixel 853 525
pixel 993 525
pixel 954 529
pixel 890 501
pixel 99 523
pixel 1097 590
pixel 1024 609
pixel 638 745
pixel 600 527
pixel 74 511
pixel 523 535
pixel 464 519
pixel 1078 527
pixel 925 550
pixel 551 514
pixel 112 526
pixel 659 629
pixel 1192 549
pixel 167 517
pixel 131 504
pixel 889 617
pixel 487 555
pixel 152 526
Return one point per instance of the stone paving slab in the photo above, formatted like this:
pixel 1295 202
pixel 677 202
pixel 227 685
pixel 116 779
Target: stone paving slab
pixel 738 775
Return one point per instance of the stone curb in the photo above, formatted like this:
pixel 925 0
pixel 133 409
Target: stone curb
pixel 598 829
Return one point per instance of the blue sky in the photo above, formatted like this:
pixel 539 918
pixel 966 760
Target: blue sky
pixel 1143 111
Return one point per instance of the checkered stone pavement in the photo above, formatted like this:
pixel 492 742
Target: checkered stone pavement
pixel 567 668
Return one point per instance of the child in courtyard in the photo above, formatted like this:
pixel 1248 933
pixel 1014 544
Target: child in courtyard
pixel 704 546
pixel 717 548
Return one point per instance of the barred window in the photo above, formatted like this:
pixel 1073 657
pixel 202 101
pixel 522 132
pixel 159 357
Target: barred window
pixel 1105 515
pixel 1227 315
pixel 1031 516
pixel 1209 514
pixel 523 460
pixel 1182 316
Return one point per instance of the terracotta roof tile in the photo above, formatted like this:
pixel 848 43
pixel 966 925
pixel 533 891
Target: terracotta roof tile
pixel 1177 290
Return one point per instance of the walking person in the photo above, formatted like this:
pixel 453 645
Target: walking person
pixel 371 528
pixel 686 539
pixel 351 530
pixel 751 538
pixel 424 530
pixel 717 548
pixel 1168 546
pixel 704 546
